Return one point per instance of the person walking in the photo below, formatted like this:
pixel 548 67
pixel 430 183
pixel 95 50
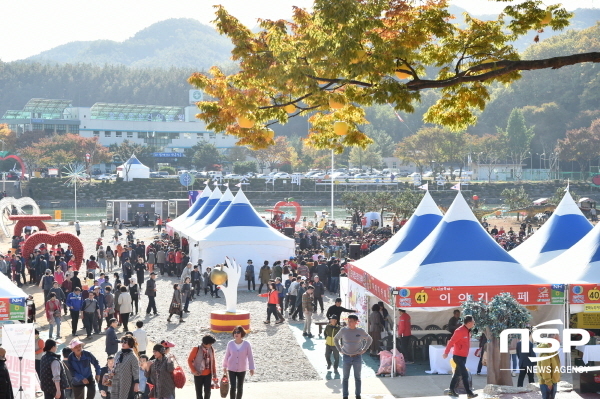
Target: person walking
pixel 249 276
pixel 74 303
pixel 141 337
pixel 272 301
pixel 375 329
pixel 81 363
pixel 47 282
pixel 126 373
pixel 237 360
pixel 53 314
pixel 308 307
pixel 77 228
pixel 111 345
pixel 53 377
pixel 186 292
pixel 203 365
pixel 461 342
pixel 140 269
pixel 101 256
pixel 125 307
pixel 336 310
pixel 109 304
pixel 196 282
pixel 548 371
pixel 405 333
pixel 151 294
pixel 186 272
pixel 264 275
pixel 318 293
pixel 352 342
pixel 134 292
pixel 90 312
pixel 151 259
pixel 331 331
pixel 525 353
pixel 176 304
pixel 106 370
pixel 160 371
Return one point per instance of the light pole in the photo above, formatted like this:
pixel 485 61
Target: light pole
pixel 332 185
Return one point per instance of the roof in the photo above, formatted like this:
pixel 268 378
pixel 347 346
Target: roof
pixel 133 161
pixel 200 200
pixel 417 228
pixel 212 215
pixel 40 108
pixel 458 252
pixel 137 112
pixel 562 230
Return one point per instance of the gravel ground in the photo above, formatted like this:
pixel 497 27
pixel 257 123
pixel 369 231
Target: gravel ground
pixel 277 355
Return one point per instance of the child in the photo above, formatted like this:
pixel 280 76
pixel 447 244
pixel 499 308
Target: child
pixel 110 365
pixel 142 385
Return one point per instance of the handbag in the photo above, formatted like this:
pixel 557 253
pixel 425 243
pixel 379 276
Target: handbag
pixel 478 352
pixel 107 379
pixel 178 376
pixel 224 386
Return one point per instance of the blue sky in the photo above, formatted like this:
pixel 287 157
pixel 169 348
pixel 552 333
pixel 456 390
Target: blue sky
pixel 32 26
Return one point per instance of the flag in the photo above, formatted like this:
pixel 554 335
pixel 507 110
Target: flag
pixel 226 184
pixel 206 182
pixel 397 116
pixel 239 185
pixel 567 188
pixel 455 187
pixel 425 187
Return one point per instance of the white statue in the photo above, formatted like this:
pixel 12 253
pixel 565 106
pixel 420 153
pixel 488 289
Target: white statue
pixel 234 272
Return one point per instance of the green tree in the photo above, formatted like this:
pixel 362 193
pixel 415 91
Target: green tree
pixel 488 150
pixel 384 141
pixel 355 202
pixel 422 148
pixel 360 53
pixel 500 313
pixel 241 168
pixel 276 154
pixel 405 203
pixel 560 193
pixel 370 156
pixel 517 139
pixel 515 198
pixel 126 149
pixel 203 156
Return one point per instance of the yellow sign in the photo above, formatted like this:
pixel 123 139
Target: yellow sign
pixel 421 297
pixel 594 295
pixel 588 320
pixel 591 308
pixel 57 214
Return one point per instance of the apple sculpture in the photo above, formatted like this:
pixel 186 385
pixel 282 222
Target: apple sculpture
pixel 218 276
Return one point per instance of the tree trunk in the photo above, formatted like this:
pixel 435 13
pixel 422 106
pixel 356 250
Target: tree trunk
pixel 497 361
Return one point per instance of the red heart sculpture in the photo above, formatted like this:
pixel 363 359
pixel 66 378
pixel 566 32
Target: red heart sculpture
pixel 44 237
pixel 29 220
pixel 292 203
pixel 19 160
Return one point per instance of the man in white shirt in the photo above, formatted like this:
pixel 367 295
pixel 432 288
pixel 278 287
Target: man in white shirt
pixel 141 337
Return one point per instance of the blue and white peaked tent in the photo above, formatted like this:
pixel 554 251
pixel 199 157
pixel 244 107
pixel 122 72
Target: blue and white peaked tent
pixel 192 219
pixel 417 228
pixel 200 200
pixel 458 252
pixel 211 216
pixel 564 228
pixel 240 233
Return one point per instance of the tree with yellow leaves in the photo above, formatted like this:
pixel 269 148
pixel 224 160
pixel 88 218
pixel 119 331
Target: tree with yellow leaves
pixel 347 54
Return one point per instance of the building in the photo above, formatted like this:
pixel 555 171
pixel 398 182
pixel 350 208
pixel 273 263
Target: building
pixel 169 128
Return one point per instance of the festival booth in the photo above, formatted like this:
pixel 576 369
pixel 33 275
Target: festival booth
pixel 133 169
pixel 458 260
pixel 562 230
pixel 200 200
pixel 240 233
pixel 195 217
pixel 13 300
pixel 211 216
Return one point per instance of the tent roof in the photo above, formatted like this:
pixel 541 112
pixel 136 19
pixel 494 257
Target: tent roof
pixel 215 196
pixel 240 223
pixel 212 215
pixel 417 228
pixel 9 290
pixel 580 263
pixel 200 200
pixel 564 228
pixel 133 161
pixel 458 252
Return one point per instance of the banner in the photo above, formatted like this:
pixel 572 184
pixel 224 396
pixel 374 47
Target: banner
pixel 539 294
pixel 19 341
pixel 12 309
pixel 193 196
pixel 357 299
pixel 584 293
pixel 375 286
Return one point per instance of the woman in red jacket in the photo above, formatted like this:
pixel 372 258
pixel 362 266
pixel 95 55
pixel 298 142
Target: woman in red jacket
pixel 272 303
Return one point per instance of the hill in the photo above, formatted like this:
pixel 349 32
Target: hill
pixel 181 43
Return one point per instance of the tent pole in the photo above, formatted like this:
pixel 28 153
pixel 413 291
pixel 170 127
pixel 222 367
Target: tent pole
pixel 394 337
pixel 567 316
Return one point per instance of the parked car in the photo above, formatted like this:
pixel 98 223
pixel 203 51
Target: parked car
pixel 341 176
pixel 428 174
pixel 106 176
pixel 414 174
pixel 233 176
pixel 282 175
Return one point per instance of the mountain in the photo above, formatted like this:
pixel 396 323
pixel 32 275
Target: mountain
pixel 181 43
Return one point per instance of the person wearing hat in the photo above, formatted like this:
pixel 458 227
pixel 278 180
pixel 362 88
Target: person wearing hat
pixel 151 294
pixel 264 275
pixel 331 331
pixel 80 363
pixel 5 384
pixel 53 378
pixel 160 371
pixel 249 276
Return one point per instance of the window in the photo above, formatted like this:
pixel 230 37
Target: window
pixel 142 135
pixel 61 128
pixel 212 135
pixel 107 134
pixel 393 165
pixel 37 126
pixel 223 136
pixel 200 135
pixel 187 136
pixel 96 133
pixel 129 135
pixel 118 134
pixel 174 136
pixel 74 129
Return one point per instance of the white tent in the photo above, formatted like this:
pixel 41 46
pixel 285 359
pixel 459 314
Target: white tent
pixel 194 218
pixel 14 298
pixel 200 200
pixel 369 217
pixel 133 169
pixel 417 228
pixel 240 233
pixel 211 216
pixel 458 252
pixel 566 226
